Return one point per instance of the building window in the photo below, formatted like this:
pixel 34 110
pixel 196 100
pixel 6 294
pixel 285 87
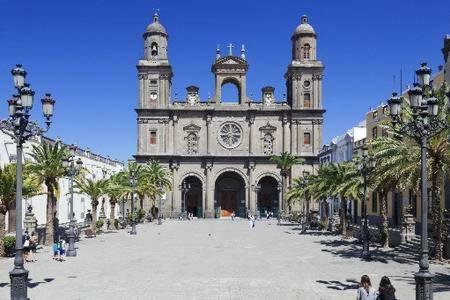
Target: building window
pixel 375 114
pixel 306 138
pixel 306 51
pixel 385 110
pixel 374 202
pixel 374 132
pixel 268 144
pixel 307 100
pixel 384 131
pixel 192 143
pixel 152 137
pixel 154 48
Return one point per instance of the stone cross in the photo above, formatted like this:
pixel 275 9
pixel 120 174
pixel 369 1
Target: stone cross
pixel 231 46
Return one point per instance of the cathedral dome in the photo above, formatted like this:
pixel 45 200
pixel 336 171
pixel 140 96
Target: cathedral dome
pixel 304 27
pixel 155 27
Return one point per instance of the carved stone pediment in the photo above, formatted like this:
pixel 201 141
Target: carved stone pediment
pixel 192 128
pixel 230 62
pixel 268 128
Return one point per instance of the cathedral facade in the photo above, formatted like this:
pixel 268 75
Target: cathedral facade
pixel 219 153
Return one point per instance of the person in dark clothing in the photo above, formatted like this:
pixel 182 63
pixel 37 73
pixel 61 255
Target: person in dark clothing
pixel 386 291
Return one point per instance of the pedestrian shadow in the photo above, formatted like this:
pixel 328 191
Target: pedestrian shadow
pixel 349 284
pixel 36 283
pixel 351 248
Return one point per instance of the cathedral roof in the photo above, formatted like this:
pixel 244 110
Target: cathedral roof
pixel 156 27
pixel 304 27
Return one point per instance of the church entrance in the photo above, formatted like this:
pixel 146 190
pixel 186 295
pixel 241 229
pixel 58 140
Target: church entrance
pixel 194 197
pixel 268 196
pixel 229 195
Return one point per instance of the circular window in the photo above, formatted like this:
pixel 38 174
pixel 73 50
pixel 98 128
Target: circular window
pixel 230 135
pixel 306 83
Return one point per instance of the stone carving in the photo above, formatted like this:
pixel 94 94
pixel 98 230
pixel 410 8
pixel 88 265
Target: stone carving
pixel 230 135
pixel 192 143
pixel 268 144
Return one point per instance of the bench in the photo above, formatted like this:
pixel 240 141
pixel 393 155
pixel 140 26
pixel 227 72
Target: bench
pixel 89 233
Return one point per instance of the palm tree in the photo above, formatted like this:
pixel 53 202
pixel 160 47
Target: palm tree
pixel 153 181
pixel 8 194
pixel 398 157
pixel 285 161
pixel 116 188
pixel 94 189
pixel 46 167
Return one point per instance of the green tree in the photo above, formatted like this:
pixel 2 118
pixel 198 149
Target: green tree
pixel 94 189
pixel 285 161
pixel 46 167
pixel 8 194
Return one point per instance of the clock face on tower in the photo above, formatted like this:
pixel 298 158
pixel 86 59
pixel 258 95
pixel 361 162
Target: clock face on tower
pixel 153 96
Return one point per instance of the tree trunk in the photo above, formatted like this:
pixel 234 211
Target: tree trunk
pixel 384 229
pixel 284 205
pixel 2 232
pixel 49 227
pixel 94 217
pixel 326 209
pixel 141 203
pixel 437 218
pixel 113 211
pixel 344 216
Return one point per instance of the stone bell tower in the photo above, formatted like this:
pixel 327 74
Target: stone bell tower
pixel 154 70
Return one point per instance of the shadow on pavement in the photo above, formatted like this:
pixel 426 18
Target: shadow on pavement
pixel 35 284
pixel 349 284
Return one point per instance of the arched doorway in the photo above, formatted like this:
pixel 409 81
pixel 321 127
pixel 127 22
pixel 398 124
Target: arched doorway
pixel 268 195
pixel 230 195
pixel 193 196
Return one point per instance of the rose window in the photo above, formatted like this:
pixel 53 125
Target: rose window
pixel 230 135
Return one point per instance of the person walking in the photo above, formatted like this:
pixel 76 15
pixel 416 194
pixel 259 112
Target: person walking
pixel 250 222
pixel 26 249
pixel 386 291
pixel 33 246
pixel 366 291
pixel 233 215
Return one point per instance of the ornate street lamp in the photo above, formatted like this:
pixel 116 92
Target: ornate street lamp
pixel 366 165
pixel 279 189
pixel 20 128
pixel 184 188
pixel 424 125
pixel 304 183
pixel 72 168
pixel 133 190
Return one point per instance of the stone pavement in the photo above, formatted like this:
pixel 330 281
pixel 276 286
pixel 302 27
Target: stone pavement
pixel 212 259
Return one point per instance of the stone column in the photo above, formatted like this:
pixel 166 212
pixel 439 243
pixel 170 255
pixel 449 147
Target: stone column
pixel 175 137
pixel 251 198
pixel 208 132
pixel 175 189
pixel 209 198
pixel 285 122
pixel 251 121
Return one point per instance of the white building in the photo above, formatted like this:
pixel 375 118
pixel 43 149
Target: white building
pixel 98 167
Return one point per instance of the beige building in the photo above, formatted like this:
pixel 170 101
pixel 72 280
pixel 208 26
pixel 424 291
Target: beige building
pixel 222 150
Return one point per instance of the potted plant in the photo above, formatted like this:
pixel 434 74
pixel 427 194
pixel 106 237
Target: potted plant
pixel 9 243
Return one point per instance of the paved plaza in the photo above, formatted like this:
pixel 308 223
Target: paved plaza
pixel 212 259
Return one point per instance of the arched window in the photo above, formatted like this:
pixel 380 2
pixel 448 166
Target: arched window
pixel 192 143
pixel 306 51
pixel 268 144
pixel 154 49
pixel 230 92
pixel 307 100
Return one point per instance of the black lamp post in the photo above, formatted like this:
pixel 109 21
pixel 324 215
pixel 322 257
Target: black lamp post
pixel 73 168
pixel 133 190
pixel 304 183
pixel 184 188
pixel 20 128
pixel 367 164
pixel 424 125
pixel 279 189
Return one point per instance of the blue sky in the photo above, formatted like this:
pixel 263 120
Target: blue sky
pixel 85 53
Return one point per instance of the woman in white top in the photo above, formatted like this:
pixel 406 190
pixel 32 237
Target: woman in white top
pixel 366 291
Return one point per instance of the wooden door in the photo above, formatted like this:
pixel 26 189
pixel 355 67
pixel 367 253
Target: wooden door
pixel 228 203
